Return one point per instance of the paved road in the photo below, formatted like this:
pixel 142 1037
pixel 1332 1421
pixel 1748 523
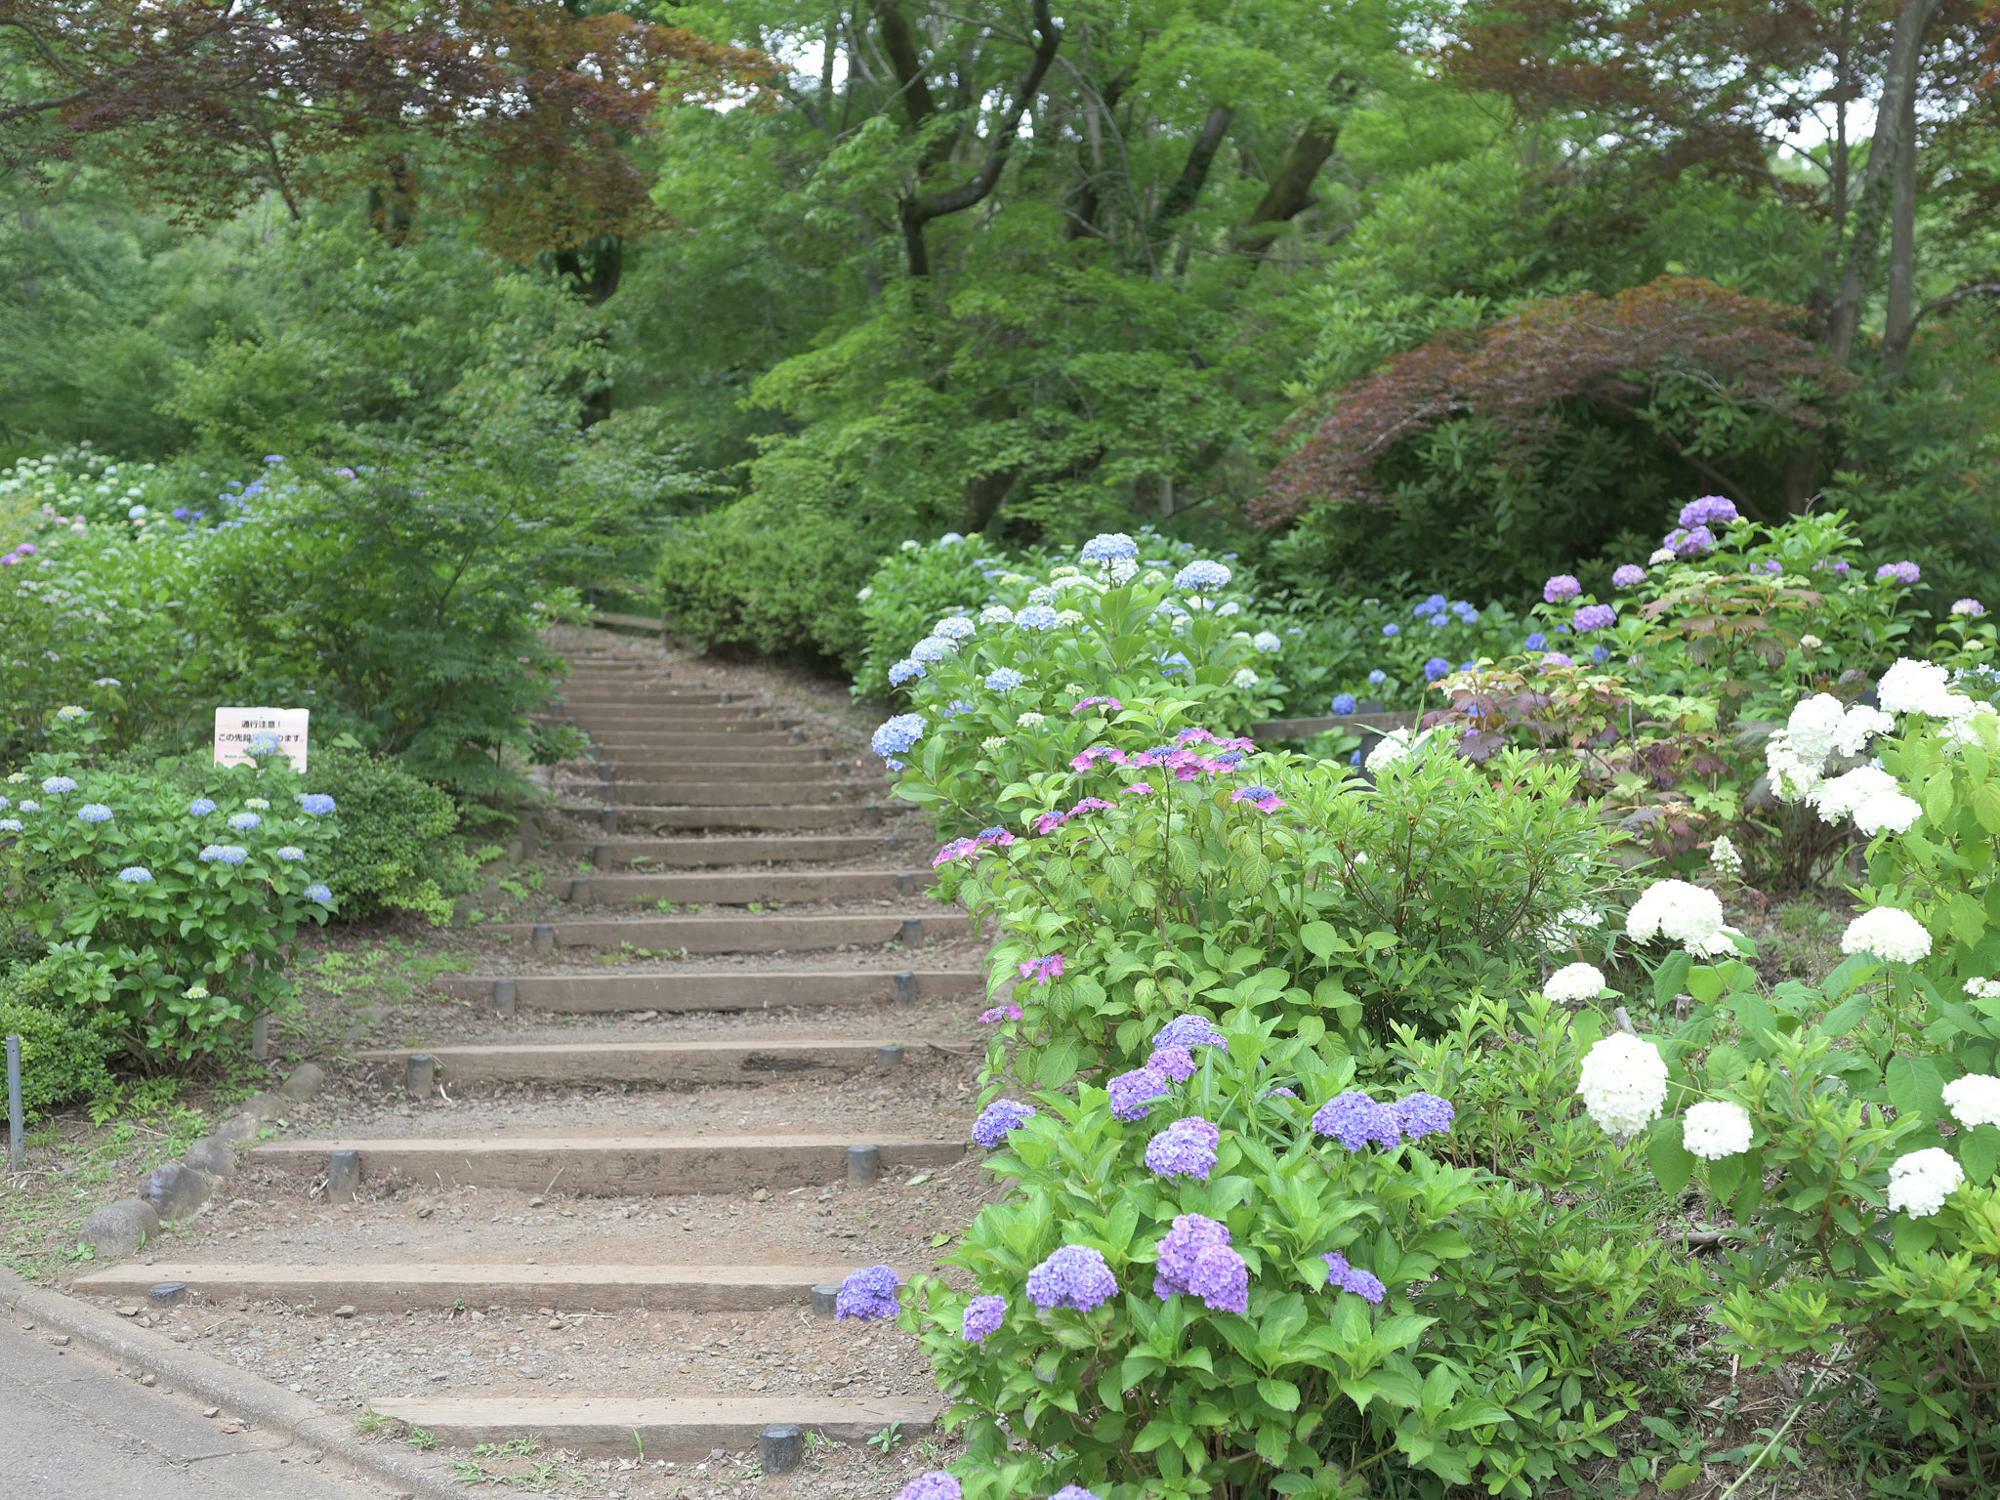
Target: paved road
pixel 76 1429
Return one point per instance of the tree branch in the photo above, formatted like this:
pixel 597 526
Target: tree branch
pixel 1194 171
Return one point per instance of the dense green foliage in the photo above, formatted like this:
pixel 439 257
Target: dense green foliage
pixel 59 1006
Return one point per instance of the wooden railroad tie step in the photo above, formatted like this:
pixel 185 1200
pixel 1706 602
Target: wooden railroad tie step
pixel 401 1285
pixel 736 934
pixel 616 1166
pixel 678 993
pixel 641 1062
pixel 620 818
pixel 730 793
pixel 739 888
pixel 807 773
pixel 680 1429
pixel 693 853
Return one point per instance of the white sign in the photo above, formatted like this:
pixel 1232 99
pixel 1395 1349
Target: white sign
pixel 236 729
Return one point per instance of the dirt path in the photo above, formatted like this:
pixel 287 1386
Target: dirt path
pixel 719 1052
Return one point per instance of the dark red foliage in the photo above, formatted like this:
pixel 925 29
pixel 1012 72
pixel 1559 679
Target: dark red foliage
pixel 1518 375
pixel 210 104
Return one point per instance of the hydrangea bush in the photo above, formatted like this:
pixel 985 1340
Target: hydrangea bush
pixel 192 905
pixel 1045 666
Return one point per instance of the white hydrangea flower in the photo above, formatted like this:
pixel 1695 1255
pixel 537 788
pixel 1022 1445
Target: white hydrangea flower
pixel 1810 643
pixel 1623 1084
pixel 1716 1128
pixel 1245 678
pixel 954 628
pixel 1792 776
pixel 1983 989
pixel 1814 727
pixel 1859 725
pixel 1567 925
pixel 1397 744
pixel 1031 719
pixel 1915 687
pixel 1974 1099
pixel 1891 814
pixel 1920 1182
pixel 1724 856
pixel 1228 608
pixel 1065 570
pixel 1661 555
pixel 1839 797
pixel 867 593
pixel 1123 571
pixel 1068 618
pixel 1893 936
pixel 996 614
pixel 1680 913
pixel 1266 641
pixel 993 744
pixel 1972 728
pixel 1041 594
pixel 1574 982
pixel 908 546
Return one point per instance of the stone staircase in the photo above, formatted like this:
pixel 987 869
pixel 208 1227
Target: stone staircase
pixel 755 1096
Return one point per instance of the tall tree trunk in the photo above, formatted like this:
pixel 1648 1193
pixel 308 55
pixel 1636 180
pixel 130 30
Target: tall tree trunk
pixel 1900 308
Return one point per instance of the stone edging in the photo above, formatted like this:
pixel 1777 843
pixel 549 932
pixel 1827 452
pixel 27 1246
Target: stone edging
pixel 243 1394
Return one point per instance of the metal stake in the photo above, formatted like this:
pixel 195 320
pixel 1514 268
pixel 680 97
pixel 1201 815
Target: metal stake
pixel 16 1121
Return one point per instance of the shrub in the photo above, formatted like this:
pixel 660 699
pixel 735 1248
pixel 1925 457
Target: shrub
pixel 193 905
pixel 60 1007
pixel 915 585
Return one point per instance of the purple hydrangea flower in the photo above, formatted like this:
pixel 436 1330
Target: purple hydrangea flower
pixel 1420 1114
pixel 1181 1246
pixel 1260 797
pixel 1356 1120
pixel 1073 1492
pixel 935 1485
pixel 1594 617
pixel 1176 1063
pixel 1074 1276
pixel 1133 1094
pixel 1906 573
pixel 1185 1148
pixel 1190 1030
pixel 1709 510
pixel 1046 970
pixel 999 1117
pixel 1689 541
pixel 1627 575
pixel 868 1294
pixel 1364 1284
pixel 1562 586
pixel 1557 659
pixel 1970 608
pixel 983 1315
pixel 1768 565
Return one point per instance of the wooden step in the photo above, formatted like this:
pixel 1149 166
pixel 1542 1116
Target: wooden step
pixel 740 889
pixel 618 817
pixel 577 693
pixel 614 1165
pixel 728 793
pixel 806 773
pixel 622 854
pixel 400 1285
pixel 734 934
pixel 680 1429
pixel 680 742
pixel 736 990
pixel 643 717
pixel 661 1063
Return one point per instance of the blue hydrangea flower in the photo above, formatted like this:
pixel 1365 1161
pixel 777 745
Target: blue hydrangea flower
pixel 897 736
pixel 932 649
pixel 1134 1094
pixel 291 854
pixel 1186 1148
pixel 1175 663
pixel 1202 578
pixel 1536 642
pixel 5 803
pixel 201 807
pixel 1600 654
pixel 1436 667
pixel 959 706
pixel 316 803
pixel 1109 547
pixel 10 825
pixel 954 628
pixel 1355 1120
pixel 1036 617
pixel 94 812
pixel 983 1316
pixel 867 1295
pixel 319 895
pixel 57 786
pixel 906 670
pixel 1003 680
pixel 1465 612
pixel 243 822
pixel 1344 703
pixel 264 743
pixel 226 854
pixel 1190 1030
pixel 1377 677
pixel 136 875
pixel 1420 1114
pixel 997 1119
pixel 1392 629
pixel 1075 1276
